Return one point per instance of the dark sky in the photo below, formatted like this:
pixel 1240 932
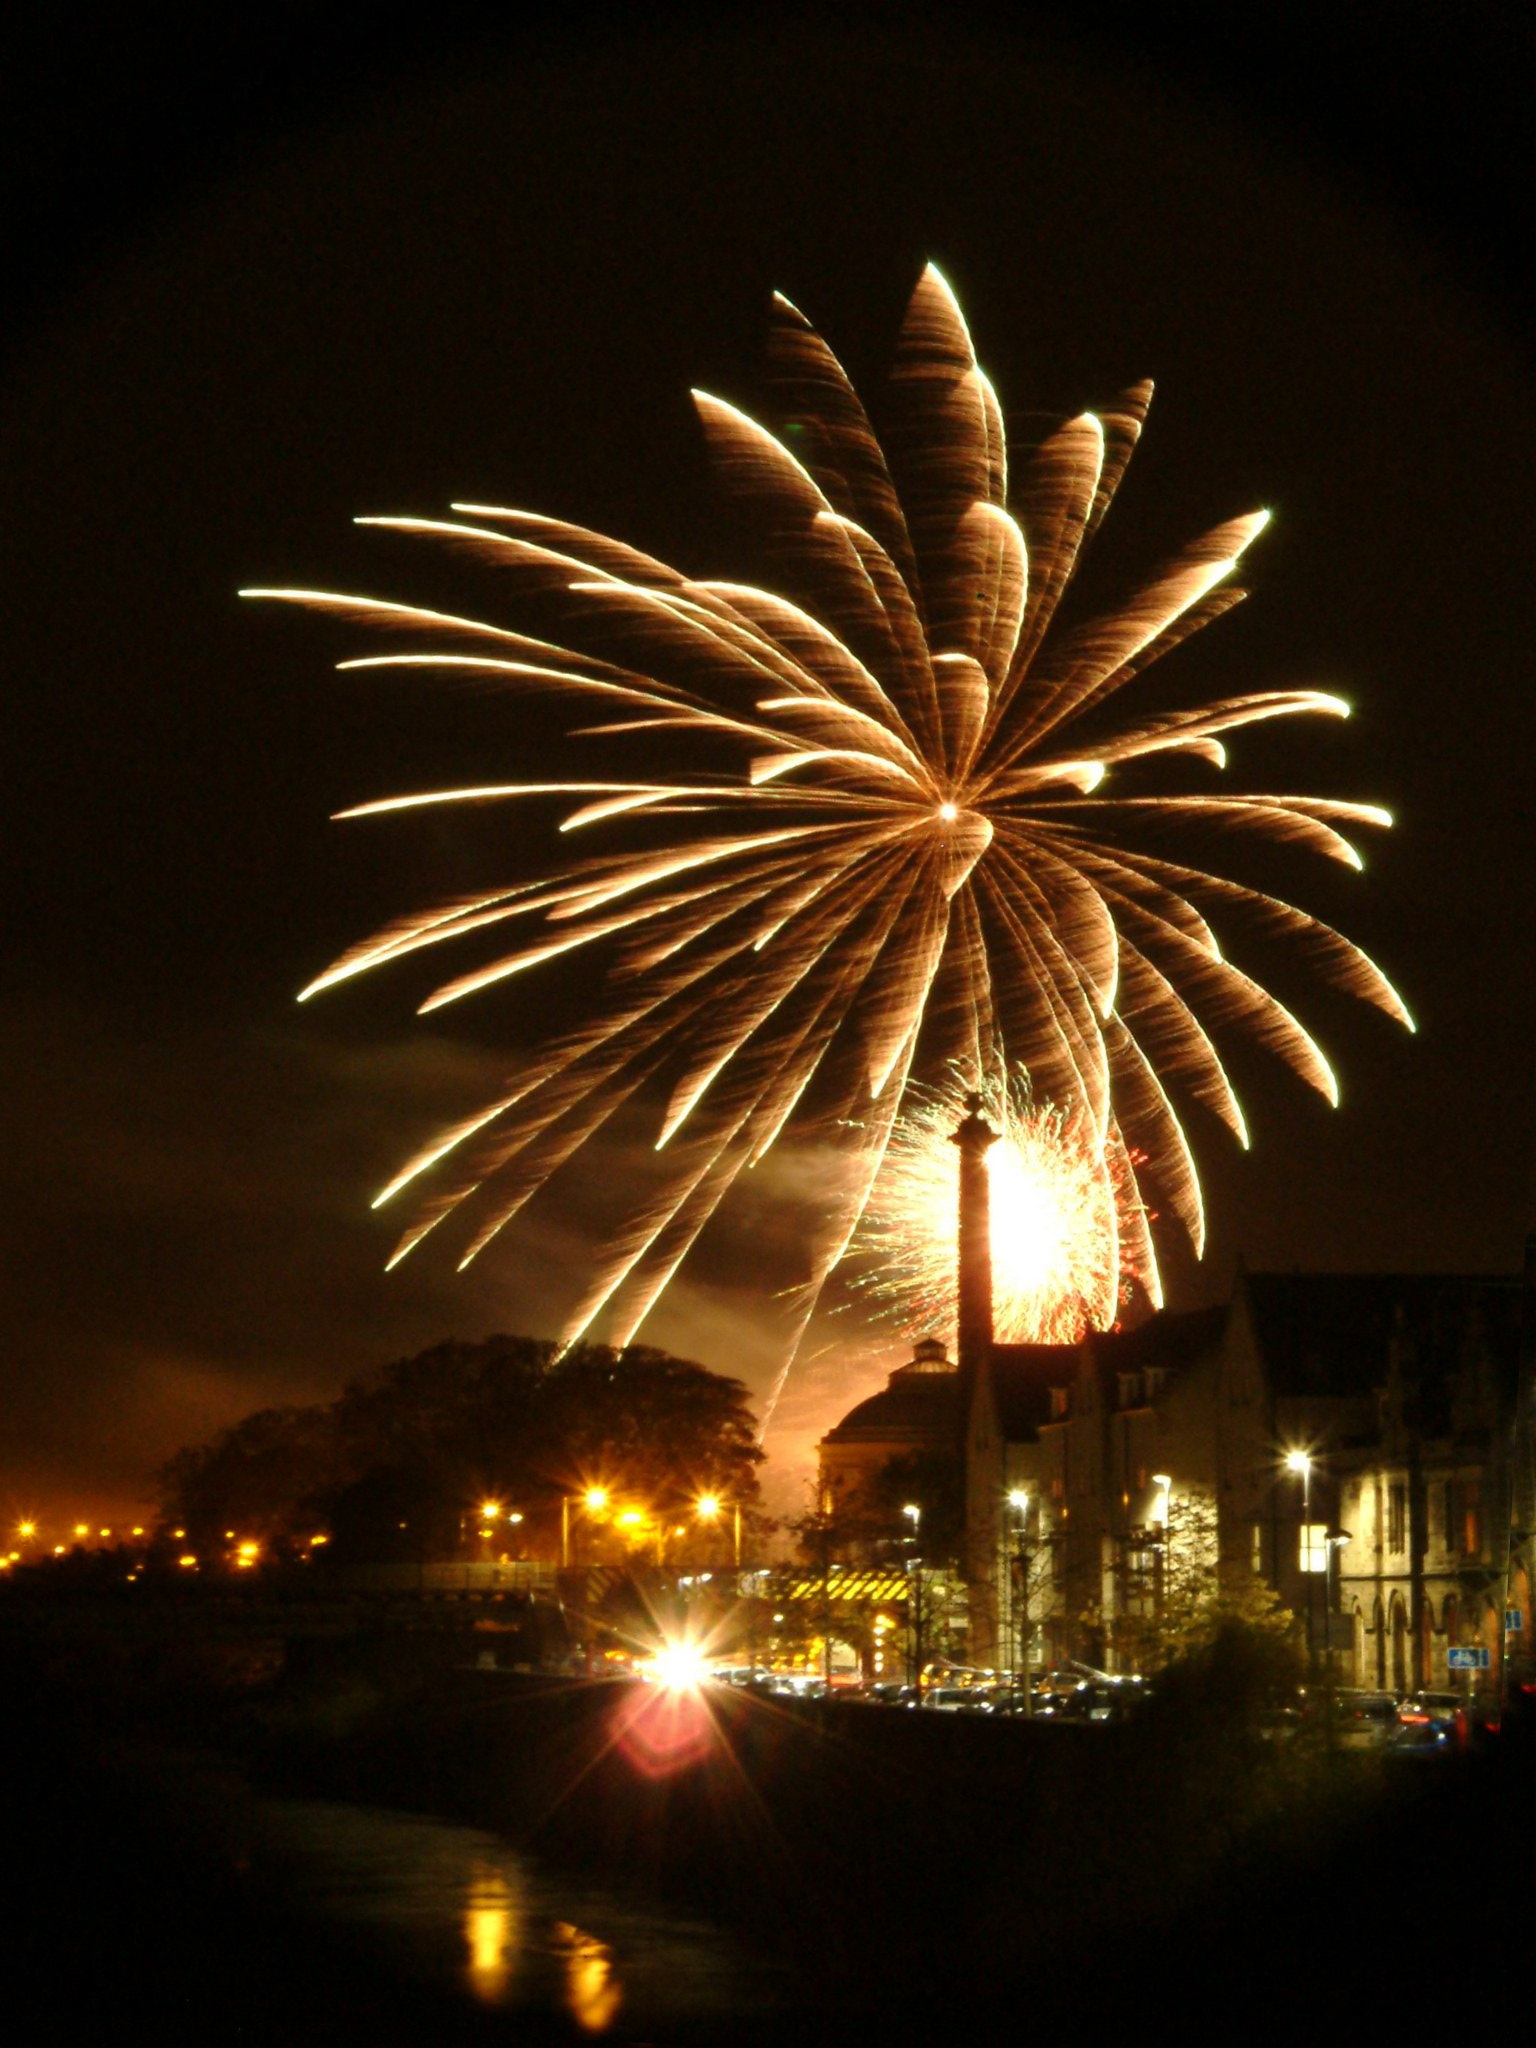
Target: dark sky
pixel 263 279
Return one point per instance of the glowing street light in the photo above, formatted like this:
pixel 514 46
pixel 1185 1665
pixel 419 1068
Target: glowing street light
pixel 1300 1464
pixel 1018 1500
pixel 708 1507
pixel 914 1515
pixel 594 1500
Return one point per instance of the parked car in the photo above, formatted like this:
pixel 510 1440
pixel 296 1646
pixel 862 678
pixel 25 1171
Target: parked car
pixel 951 1699
pixel 1364 1720
pixel 1078 1693
pixel 1442 1710
pixel 1456 1720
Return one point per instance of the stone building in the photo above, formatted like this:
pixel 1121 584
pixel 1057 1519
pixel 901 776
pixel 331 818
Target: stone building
pixel 1363 1445
pixel 916 1415
pixel 1436 1507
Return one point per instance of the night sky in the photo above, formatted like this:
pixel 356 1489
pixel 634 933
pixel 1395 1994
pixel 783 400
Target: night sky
pixel 257 286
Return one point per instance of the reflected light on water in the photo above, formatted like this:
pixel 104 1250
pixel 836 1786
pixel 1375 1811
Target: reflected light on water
pixel 592 1991
pixel 491 1932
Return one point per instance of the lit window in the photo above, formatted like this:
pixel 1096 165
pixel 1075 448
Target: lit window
pixel 1314 1546
pixel 1471 1491
pixel 1397 1519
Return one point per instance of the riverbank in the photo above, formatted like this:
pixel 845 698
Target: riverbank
pixel 904 1868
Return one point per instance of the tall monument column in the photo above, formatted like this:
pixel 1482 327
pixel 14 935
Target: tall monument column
pixel 975 1137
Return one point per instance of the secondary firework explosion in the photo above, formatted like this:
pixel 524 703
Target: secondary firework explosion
pixel 1065 1216
pixel 900 838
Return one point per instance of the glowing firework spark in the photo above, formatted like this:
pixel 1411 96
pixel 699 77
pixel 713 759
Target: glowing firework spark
pixel 1069 1234
pixel 890 842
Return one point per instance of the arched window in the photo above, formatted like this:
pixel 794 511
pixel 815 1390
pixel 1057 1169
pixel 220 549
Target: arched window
pixel 1379 1631
pixel 1452 1630
pixel 1520 1604
pixel 1399 1628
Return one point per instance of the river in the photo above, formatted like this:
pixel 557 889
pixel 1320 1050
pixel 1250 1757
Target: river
pixel 460 1909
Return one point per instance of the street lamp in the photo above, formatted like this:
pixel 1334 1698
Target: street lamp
pixel 1338 1539
pixel 1018 1499
pixel 594 1500
pixel 1299 1463
pixel 914 1515
pixel 707 1507
pixel 1161 1560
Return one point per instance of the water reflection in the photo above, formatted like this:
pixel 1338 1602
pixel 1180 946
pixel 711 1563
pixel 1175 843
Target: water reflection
pixel 591 1989
pixel 460 1907
pixel 491 1931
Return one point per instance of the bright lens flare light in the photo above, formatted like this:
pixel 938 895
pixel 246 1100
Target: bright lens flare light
pixel 872 813
pixel 679 1666
pixel 1069 1237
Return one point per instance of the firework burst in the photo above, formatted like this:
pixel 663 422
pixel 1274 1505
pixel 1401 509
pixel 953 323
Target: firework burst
pixel 1068 1232
pixel 896 838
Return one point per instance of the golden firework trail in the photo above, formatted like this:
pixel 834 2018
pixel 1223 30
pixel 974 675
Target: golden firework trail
pixel 1069 1237
pixel 895 836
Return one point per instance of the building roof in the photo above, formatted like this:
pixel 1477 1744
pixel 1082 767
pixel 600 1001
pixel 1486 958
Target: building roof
pixel 1166 1340
pixel 1330 1334
pixel 920 1404
pixel 1022 1378
pixel 923 1409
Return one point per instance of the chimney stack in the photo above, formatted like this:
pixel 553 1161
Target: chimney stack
pixel 975 1137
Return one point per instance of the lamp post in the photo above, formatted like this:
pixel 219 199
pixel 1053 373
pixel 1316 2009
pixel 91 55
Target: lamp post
pixel 1338 1539
pixel 1019 1500
pixel 1301 1464
pixel 708 1508
pixel 914 1515
pixel 594 1500
pixel 1163 1481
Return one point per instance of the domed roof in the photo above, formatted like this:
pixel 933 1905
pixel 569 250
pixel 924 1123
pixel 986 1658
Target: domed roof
pixel 919 1406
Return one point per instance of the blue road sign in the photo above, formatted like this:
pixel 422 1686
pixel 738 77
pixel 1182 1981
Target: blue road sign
pixel 1466 1660
pixel 1514 1621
